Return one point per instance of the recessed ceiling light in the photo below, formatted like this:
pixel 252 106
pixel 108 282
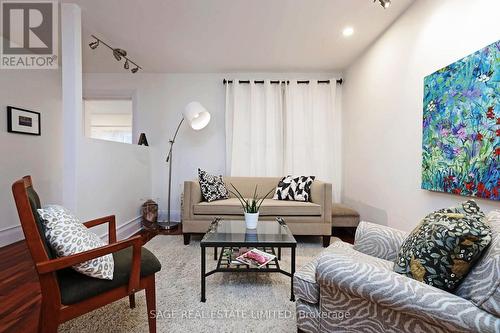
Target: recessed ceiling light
pixel 348 31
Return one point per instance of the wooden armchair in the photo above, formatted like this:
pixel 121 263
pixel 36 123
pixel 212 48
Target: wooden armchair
pixel 67 294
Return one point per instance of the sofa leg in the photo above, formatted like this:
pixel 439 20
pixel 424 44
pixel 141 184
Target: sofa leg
pixel 326 241
pixel 187 239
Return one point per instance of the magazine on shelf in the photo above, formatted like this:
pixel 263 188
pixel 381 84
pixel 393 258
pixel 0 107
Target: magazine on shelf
pixel 256 258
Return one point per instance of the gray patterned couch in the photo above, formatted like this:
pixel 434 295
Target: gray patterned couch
pixel 352 288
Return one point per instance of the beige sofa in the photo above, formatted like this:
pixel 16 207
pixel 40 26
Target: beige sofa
pixel 303 218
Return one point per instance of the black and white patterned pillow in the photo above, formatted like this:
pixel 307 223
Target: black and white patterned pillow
pixel 294 188
pixel 68 236
pixel 212 187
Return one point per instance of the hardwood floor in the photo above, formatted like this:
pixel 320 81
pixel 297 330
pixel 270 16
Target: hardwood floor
pixel 20 290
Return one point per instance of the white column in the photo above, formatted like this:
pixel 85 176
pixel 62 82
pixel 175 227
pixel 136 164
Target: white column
pixel 71 52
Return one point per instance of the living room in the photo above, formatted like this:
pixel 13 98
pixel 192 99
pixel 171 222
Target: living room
pixel 344 143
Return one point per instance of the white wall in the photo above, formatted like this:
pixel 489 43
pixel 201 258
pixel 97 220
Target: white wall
pixel 113 178
pixel 20 155
pixel 382 107
pixel 159 100
pixel 104 177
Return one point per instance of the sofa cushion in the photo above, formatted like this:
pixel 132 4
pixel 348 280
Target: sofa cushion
pixel 305 285
pixel 482 285
pixel 441 250
pixel 269 207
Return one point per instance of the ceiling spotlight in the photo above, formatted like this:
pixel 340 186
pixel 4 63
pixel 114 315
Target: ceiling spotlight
pixel 119 53
pixel 348 31
pixel 134 70
pixel 93 45
pixel 126 65
pixel 384 3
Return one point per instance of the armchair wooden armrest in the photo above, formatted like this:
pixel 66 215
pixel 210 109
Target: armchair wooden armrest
pixel 53 265
pixel 111 220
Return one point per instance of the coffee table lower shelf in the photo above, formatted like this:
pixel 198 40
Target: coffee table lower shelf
pixel 225 264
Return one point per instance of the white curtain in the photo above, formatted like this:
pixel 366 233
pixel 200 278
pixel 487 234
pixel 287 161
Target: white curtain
pixel 254 129
pixel 312 132
pixel 282 129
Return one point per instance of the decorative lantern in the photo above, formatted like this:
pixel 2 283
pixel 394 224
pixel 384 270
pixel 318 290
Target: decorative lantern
pixel 150 215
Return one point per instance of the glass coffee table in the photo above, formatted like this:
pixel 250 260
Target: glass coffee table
pixel 230 235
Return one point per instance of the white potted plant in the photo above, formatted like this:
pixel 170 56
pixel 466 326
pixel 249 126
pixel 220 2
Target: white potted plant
pixel 250 206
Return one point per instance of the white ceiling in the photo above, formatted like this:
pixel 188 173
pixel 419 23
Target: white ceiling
pixel 232 35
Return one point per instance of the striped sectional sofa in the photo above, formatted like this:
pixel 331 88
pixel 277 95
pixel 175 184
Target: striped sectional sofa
pixel 352 288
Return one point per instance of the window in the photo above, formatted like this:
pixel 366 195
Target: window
pixel 108 119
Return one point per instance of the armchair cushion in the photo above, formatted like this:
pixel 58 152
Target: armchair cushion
pixel 77 287
pixel 305 285
pixel 364 280
pixel 35 204
pixel 378 240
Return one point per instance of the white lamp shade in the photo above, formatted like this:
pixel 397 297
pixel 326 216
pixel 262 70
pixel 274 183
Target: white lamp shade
pixel 196 115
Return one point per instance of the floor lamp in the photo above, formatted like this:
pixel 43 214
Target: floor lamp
pixel 197 118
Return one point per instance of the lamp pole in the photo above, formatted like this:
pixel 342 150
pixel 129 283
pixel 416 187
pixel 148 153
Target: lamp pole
pixel 169 161
pixel 197 117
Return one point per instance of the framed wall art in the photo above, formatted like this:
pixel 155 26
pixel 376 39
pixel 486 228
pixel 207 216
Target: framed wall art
pixel 23 121
pixel 461 126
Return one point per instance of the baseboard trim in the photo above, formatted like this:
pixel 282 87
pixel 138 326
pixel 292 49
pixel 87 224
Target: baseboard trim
pixel 15 233
pixel 11 235
pixel 126 229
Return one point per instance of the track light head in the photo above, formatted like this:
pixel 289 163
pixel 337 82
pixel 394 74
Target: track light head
pixel 384 3
pixel 93 45
pixel 119 53
pixel 134 70
pixel 126 65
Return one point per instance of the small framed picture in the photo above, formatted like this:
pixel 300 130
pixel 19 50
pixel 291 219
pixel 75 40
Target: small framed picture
pixel 23 121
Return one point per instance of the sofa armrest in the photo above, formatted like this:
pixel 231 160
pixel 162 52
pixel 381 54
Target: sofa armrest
pixel 192 195
pixel 378 241
pixel 400 293
pixel 321 194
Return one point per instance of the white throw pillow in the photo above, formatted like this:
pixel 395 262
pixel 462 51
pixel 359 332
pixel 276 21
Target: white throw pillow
pixel 67 236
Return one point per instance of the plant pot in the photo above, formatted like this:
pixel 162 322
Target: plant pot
pixel 251 220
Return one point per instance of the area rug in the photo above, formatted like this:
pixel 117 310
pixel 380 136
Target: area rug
pixel 236 302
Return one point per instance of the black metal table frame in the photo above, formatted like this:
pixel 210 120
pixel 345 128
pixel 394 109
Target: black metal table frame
pixel 218 269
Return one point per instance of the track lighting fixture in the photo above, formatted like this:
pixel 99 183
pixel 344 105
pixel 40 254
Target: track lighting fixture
pixel 118 53
pixel 384 3
pixel 93 45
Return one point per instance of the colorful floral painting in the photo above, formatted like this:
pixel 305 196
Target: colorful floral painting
pixel 461 126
